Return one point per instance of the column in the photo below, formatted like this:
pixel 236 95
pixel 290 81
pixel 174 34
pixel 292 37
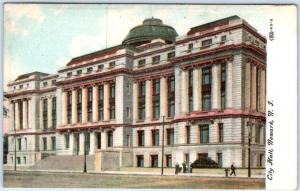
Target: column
pixel 216 86
pixel 253 88
pixel 163 97
pixel 263 91
pixel 148 98
pixel 92 143
pixel 81 144
pixel 103 140
pixel 84 104
pixel 135 101
pixel 95 103
pixel 41 113
pixel 49 112
pixel 229 85
pixel 197 84
pixel 74 106
pixel 17 115
pixel 64 108
pixel 184 91
pixel 25 114
pixel 247 86
pixel 106 102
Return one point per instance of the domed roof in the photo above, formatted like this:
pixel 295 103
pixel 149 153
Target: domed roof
pixel 150 29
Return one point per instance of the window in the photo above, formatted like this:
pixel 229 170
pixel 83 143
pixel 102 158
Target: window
pixel 20 144
pixel 53 82
pixel 109 138
pixel 53 143
pixel 69 107
pixel 154 161
pixel 98 138
pixel 204 134
pixel 169 160
pixel 25 143
pixel 141 63
pixel 170 136
pixel 257 134
pixel 187 158
pixel 223 86
pixel 54 112
pixel 155 137
pixel 100 102
pixel 206 43
pixel 220 130
pixel 20 86
pixel 21 114
pixel 79 105
pixel 112 101
pixel 141 138
pixel 89 70
pixel 188 134
pixel 44 143
pixel 45 114
pixel 190 46
pixel 19 160
pixel 171 96
pixel 156 59
pixel 87 138
pixel 45 84
pixel 112 64
pixel 127 112
pixel 140 160
pixel 24 158
pixel 206 89
pixel 69 74
pixel 220 159
pixel 171 55
pixel 90 104
pixel 100 67
pixel 79 72
pixel 258 73
pixel 67 141
pixel 156 98
pixel 141 100
pixel 223 38
pixel 190 90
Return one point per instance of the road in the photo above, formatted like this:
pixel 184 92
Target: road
pixel 80 180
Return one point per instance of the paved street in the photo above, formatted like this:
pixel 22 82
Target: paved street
pixel 79 180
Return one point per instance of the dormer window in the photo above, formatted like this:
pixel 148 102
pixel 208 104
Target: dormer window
pixel 156 59
pixel 89 70
pixel 100 67
pixel 45 84
pixel 112 64
pixel 69 74
pixel 141 63
pixel 79 72
pixel 171 55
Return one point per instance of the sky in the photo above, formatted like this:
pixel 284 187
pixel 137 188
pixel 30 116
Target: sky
pixel 44 37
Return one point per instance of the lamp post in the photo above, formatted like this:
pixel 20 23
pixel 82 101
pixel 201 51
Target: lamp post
pixel 84 150
pixel 15 137
pixel 249 147
pixel 162 146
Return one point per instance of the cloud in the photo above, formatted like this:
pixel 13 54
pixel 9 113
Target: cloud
pixel 12 69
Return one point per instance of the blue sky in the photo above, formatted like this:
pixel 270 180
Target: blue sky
pixel 44 37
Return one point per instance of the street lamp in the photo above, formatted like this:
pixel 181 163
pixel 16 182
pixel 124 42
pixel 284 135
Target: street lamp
pixel 162 146
pixel 84 150
pixel 249 124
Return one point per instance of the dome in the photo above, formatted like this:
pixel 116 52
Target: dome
pixel 150 29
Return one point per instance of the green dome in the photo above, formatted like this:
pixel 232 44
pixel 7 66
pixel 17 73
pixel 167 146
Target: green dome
pixel 150 29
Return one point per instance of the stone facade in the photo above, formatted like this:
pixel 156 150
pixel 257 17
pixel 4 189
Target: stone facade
pixel 203 88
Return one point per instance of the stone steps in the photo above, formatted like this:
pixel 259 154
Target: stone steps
pixel 65 162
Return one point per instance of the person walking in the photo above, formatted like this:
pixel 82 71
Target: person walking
pixel 176 168
pixel 232 169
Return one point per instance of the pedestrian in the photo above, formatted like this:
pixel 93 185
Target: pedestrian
pixel 232 169
pixel 184 167
pixel 176 168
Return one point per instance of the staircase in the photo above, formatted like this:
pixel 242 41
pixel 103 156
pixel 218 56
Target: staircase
pixel 65 163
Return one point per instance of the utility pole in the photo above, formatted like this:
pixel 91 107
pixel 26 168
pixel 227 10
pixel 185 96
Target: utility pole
pixel 249 149
pixel 84 165
pixel 15 165
pixel 162 146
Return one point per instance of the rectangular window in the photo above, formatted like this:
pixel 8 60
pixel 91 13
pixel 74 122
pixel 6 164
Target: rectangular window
pixel 204 134
pixel 169 161
pixel 69 107
pixel 190 90
pixel 20 86
pixel 45 84
pixel 206 89
pixel 223 38
pixel 220 159
pixel 79 105
pixel 141 63
pixel 257 134
pixel 79 72
pixel 19 160
pixel 140 160
pixel 112 100
pixel 89 70
pixel 223 86
pixel 170 136
pixel 112 64
pixel 171 96
pixel 44 143
pixel 53 143
pixel 127 112
pixel 220 126
pixel 171 55
pixel 190 46
pixel 67 141
pixel 53 82
pixel 156 98
pixel 100 67
pixel 69 74
pixel 156 59
pixel 21 114
pixel 90 104
pixel 141 138
pixel 206 43
pixel 154 161
pixel 188 134
pixel 109 138
pixel 141 100
pixel 155 137
pixel 100 102
pixel 20 144
pixel 45 114
pixel 54 112
pixel 98 138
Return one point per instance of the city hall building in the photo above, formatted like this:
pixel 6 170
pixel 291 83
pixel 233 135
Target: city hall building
pixel 206 89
